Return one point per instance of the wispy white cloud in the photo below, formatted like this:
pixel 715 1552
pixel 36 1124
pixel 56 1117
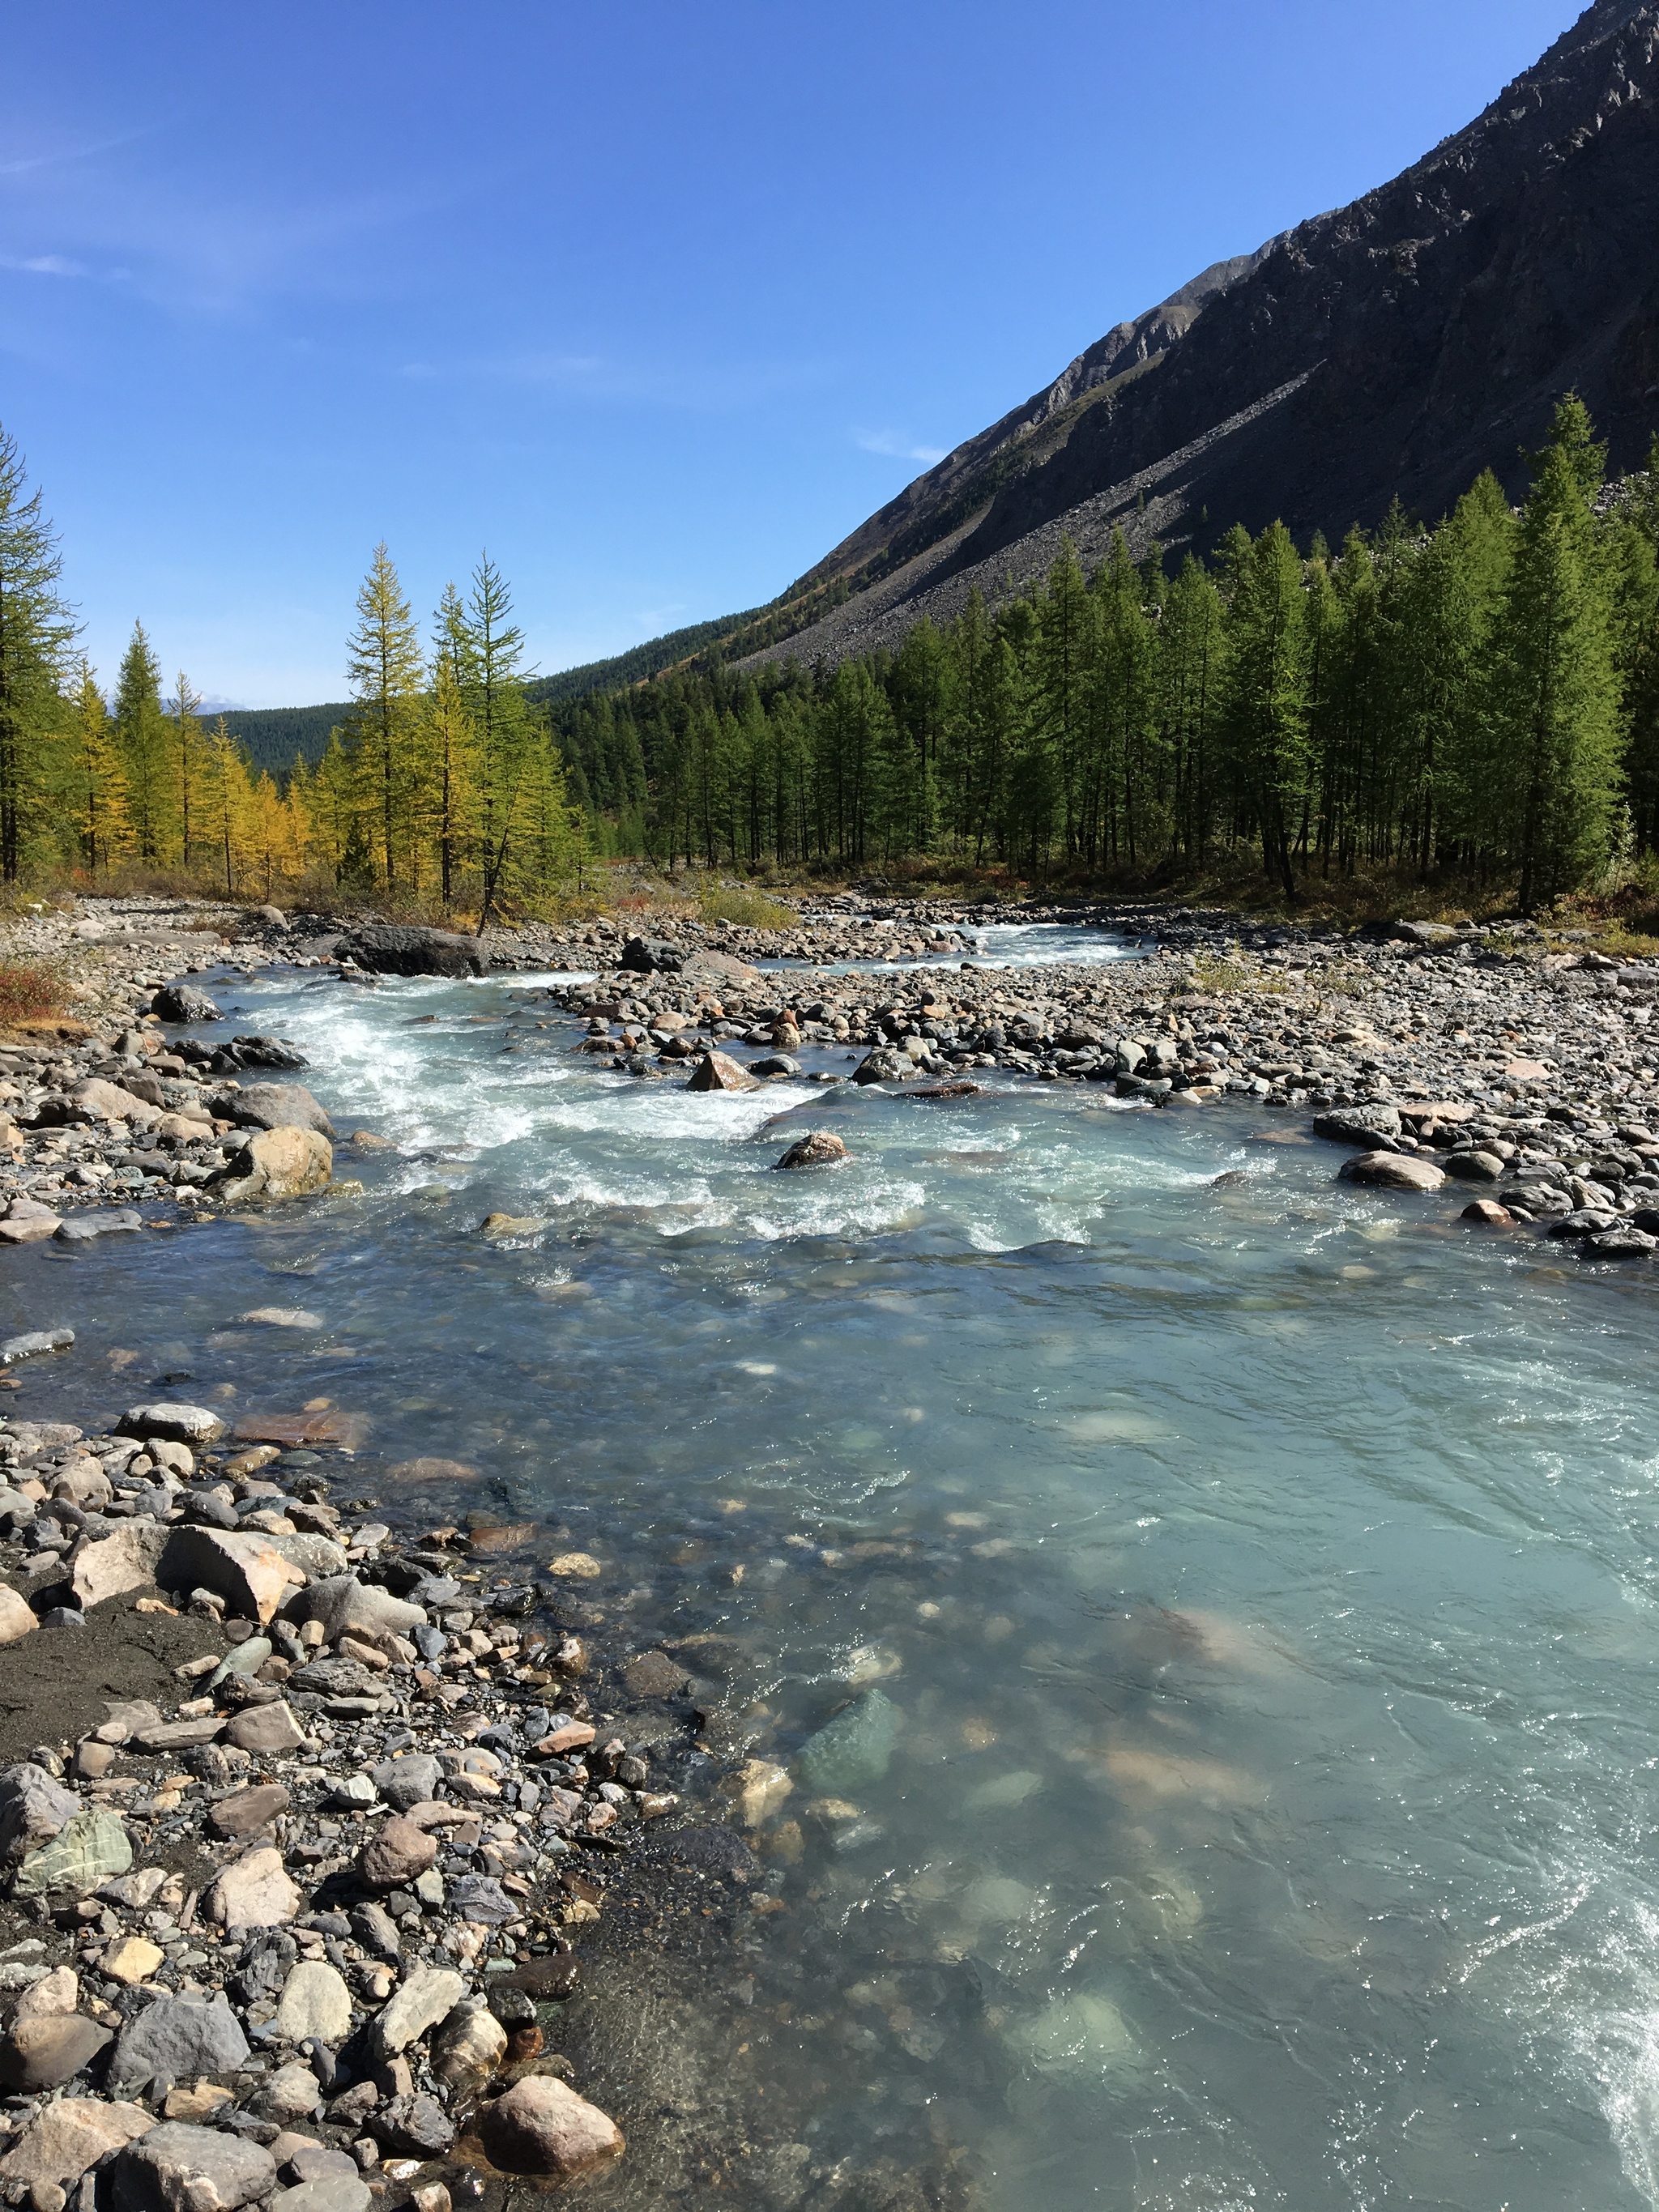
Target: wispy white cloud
pixel 894 447
pixel 50 265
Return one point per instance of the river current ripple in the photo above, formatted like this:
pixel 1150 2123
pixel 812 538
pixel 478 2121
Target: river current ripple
pixel 1261 1576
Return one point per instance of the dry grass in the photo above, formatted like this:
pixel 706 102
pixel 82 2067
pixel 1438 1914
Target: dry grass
pixel 28 993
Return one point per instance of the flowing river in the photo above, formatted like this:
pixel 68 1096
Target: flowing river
pixel 1248 1588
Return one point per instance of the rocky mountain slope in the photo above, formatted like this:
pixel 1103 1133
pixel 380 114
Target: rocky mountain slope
pixel 1392 347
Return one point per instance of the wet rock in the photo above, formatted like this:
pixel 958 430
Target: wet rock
pixel 884 1065
pixel 820 1148
pixel 315 2002
pixel 469 2046
pixel 71 2136
pixel 169 1418
pixel 412 2127
pixel 654 1675
pixel 412 1779
pixel 283 1162
pixel 254 1892
pixel 428 1995
pixel 1358 1125
pixel 395 1854
pixel 392 949
pixel 1474 1167
pixel 265 1729
pixel 177 2167
pixel 1392 1171
pixel 714 1849
pixel 1488 1213
pixel 774 1063
pixel 176 2038
pixel 542 2127
pixel 548 1979
pixel 1618 1244
pixel 182 1002
pixel 86 1851
pixel 718 1071
pixel 36 1342
pixel 45 2052
pixel 855 1747
pixel 759 1788
pixel 649 956
pixel 34 1807
pixel 247 1811
pixel 27 1222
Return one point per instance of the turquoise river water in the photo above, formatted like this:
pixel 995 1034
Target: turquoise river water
pixel 1257 1580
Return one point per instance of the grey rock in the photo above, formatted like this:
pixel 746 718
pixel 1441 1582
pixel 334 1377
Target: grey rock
pixel 33 1807
pixel 177 2167
pixel 412 2127
pixel 335 2191
pixel 277 1106
pixel 393 949
pixel 177 2039
pixel 480 1898
pixel 376 1930
pixel 185 1425
pixel 1358 1125
pixel 38 1340
pixel 182 1002
pixel 45 2052
pixel 409 1781
pixel 428 1995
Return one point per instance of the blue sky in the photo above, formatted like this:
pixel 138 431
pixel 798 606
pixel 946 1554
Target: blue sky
pixel 655 302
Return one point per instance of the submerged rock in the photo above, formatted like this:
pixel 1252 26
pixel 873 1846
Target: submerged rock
pixel 542 2127
pixel 819 1148
pixel 1392 1171
pixel 855 1747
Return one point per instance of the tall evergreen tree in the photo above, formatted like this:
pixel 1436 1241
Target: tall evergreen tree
pixel 36 631
pixel 384 667
pixel 97 787
pixel 142 731
pixel 1267 700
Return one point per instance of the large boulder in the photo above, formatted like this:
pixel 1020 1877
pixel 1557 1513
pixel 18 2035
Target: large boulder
pixel 277 1106
pixel 652 955
pixel 279 1163
pixel 182 1002
pixel 820 1148
pixel 172 1419
pixel 542 2127
pixel 178 2039
pixel 96 1100
pixel 70 2138
pixel 391 949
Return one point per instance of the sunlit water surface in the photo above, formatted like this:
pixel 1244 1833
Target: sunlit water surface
pixel 1261 1576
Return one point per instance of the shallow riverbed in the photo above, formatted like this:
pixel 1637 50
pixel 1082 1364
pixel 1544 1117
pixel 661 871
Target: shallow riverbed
pixel 1251 1586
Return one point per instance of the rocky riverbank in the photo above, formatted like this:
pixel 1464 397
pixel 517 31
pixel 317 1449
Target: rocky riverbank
pixel 1515 1071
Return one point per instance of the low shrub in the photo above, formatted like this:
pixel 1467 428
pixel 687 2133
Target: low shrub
pixel 28 994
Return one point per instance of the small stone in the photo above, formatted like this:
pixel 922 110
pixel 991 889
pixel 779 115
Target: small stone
pixel 282 1317
pixel 759 1788
pixel 263 1729
pixel 1392 1171
pixel 434 2197
pixel 481 1899
pixel 71 2136
pixel 718 1071
pixel 654 1675
pixel 292 2093
pixel 48 2196
pixel 542 2127
pixel 373 1927
pixel 819 1148
pixel 45 2052
pixel 132 1960
pixel 254 1892
pixel 429 1994
pixel 86 1851
pixel 575 1566
pixel 177 2167
pixel 248 1810
pixel 315 2002
pixel 412 2127
pixel 1489 1214
pixel 395 1854
pixel 200 2103
pixel 409 1781
pixel 57 1992
pixel 16 1616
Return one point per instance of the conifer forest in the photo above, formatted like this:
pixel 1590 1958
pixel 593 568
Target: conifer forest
pixel 1477 702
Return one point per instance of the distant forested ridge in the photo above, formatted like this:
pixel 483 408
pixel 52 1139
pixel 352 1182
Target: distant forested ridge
pixel 1480 699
